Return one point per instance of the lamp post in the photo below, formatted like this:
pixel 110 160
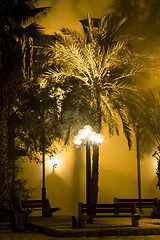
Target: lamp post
pixel 43 175
pixel 88 172
pixel 88 137
pixel 43 154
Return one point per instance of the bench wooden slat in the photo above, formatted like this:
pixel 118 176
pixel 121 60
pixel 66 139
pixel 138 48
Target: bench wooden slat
pixel 118 210
pixel 102 205
pixel 35 203
pixel 143 203
pixel 137 201
pixel 109 208
pixel 109 216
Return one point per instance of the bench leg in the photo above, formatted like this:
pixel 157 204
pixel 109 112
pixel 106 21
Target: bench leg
pixel 155 212
pixel 81 217
pixel 135 220
pixel 81 222
pixel 116 214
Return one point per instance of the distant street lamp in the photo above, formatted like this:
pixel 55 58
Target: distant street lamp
pixel 88 137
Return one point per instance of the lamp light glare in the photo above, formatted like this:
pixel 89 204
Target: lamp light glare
pixel 87 129
pixel 82 134
pixel 99 138
pixel 92 137
pixel 77 140
pixel 55 162
pixel 87 134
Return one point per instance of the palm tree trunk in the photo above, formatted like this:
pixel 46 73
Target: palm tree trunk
pixel 95 159
pixel 95 173
pixel 12 159
pixel 5 166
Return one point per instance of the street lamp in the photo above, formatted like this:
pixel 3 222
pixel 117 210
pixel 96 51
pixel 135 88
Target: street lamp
pixel 88 137
pixel 43 155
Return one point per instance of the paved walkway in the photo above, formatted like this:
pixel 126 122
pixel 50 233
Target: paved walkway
pixel 61 226
pixel 8 235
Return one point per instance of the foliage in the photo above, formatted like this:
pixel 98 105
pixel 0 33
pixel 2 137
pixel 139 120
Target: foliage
pixel 156 154
pixel 142 18
pixel 15 73
pixel 142 109
pixel 103 65
pixel 38 119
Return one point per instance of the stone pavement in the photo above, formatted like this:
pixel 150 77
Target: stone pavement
pixel 61 226
pixel 8 235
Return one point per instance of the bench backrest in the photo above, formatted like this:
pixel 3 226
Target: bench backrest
pixel 92 209
pixel 35 204
pixel 139 202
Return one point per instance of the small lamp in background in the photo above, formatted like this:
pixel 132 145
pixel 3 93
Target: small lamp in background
pixel 55 162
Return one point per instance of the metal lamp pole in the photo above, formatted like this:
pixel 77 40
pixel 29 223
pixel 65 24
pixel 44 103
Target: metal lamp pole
pixel 88 173
pixel 43 159
pixel 43 174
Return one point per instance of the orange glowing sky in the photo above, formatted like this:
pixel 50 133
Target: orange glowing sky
pixel 67 13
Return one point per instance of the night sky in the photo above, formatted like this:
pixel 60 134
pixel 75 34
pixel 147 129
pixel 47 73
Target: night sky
pixel 67 13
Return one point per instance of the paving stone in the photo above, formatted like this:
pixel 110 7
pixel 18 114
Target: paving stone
pixel 106 229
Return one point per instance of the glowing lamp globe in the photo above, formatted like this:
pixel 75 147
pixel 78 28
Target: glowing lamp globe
pixel 77 140
pixel 99 138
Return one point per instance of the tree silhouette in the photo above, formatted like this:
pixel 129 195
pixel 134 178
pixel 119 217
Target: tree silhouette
pixel 16 29
pixel 143 19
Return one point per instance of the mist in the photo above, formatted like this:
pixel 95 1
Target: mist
pixel 68 13
pixel 66 186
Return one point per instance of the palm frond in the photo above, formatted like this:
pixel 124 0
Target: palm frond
pixel 109 115
pixel 76 37
pixel 34 15
pixel 126 124
pixel 72 57
pixel 104 67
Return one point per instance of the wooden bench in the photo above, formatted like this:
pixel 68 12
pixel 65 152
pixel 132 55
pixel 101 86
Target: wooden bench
pixel 89 211
pixel 35 205
pixel 142 203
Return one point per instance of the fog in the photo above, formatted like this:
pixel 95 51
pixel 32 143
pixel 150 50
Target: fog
pixel 118 166
pixel 66 185
pixel 67 13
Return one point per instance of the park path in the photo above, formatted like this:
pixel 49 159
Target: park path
pixel 8 235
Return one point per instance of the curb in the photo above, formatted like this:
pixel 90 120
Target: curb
pixel 96 232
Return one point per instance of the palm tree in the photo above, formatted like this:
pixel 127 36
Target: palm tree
pixel 103 65
pixel 140 108
pixel 145 15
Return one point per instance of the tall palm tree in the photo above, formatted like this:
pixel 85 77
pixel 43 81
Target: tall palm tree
pixel 142 120
pixel 103 65
pixel 145 15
